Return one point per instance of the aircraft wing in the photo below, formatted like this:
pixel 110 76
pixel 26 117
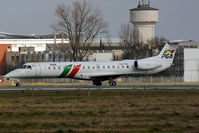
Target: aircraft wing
pixel 103 77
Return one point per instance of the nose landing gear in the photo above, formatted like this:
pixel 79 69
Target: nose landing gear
pixel 17 84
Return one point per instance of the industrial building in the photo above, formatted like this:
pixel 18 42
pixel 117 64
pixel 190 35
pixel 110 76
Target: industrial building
pixel 18 44
pixel 39 42
pixel 190 61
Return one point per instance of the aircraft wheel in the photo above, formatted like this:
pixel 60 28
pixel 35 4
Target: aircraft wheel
pixel 112 83
pixel 17 84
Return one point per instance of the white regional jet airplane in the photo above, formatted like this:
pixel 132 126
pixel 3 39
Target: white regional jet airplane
pixel 97 71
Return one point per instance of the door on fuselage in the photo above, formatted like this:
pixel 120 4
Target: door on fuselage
pixel 37 70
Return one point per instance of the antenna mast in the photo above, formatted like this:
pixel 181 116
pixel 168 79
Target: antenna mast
pixel 144 2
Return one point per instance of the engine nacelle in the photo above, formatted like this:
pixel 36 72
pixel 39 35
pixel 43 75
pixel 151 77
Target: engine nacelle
pixel 147 64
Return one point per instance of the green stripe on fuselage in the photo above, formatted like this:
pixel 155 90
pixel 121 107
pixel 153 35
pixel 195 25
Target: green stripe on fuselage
pixel 66 71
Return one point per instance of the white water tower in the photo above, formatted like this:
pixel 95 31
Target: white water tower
pixel 144 19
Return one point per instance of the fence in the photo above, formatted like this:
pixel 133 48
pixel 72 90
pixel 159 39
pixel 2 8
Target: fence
pixel 138 80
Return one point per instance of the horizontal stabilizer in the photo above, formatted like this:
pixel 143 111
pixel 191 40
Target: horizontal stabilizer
pixel 175 42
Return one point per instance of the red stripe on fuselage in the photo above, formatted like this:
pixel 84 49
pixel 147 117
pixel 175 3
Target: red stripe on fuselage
pixel 74 71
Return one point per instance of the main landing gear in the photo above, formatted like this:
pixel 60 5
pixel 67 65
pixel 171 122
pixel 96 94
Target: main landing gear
pixel 99 83
pixel 112 83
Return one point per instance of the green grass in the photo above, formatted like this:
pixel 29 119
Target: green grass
pixel 104 111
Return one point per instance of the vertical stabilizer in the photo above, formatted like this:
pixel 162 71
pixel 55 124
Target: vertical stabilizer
pixel 168 52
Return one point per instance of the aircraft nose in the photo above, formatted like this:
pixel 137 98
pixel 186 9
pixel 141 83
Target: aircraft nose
pixel 12 74
pixel 9 75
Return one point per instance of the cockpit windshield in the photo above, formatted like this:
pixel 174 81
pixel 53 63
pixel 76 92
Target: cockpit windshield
pixel 26 67
pixel 23 67
pixel 29 67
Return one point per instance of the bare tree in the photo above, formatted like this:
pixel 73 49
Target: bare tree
pixel 81 24
pixel 133 49
pixel 128 40
pixel 156 45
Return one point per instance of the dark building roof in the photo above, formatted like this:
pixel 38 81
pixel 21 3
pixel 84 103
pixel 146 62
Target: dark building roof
pixel 4 35
pixel 143 7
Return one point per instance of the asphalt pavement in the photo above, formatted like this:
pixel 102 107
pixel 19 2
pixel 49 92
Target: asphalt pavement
pixel 94 87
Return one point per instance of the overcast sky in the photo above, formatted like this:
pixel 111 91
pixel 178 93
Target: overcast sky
pixel 179 19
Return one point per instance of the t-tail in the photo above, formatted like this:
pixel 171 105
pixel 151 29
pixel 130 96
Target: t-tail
pixel 160 62
pixel 168 52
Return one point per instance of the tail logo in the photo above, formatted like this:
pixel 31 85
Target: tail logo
pixel 168 54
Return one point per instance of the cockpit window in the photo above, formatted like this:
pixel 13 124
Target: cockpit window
pixel 26 67
pixel 29 67
pixel 23 67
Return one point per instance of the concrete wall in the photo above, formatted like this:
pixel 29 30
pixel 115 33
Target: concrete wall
pixel 191 65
